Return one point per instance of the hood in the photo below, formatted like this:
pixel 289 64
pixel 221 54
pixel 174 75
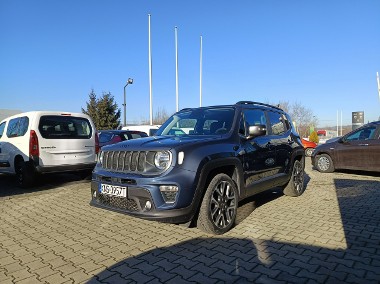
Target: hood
pixel 331 140
pixel 157 142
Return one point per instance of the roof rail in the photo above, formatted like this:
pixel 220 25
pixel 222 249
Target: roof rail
pixel 257 103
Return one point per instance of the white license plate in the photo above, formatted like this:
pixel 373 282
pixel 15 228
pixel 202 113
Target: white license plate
pixel 113 190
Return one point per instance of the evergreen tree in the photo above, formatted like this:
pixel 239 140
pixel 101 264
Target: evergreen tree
pixel 103 111
pixel 314 137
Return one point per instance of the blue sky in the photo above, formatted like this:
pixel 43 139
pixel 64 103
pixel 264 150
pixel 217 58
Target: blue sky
pixel 322 54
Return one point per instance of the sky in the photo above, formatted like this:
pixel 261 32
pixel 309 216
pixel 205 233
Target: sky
pixel 321 54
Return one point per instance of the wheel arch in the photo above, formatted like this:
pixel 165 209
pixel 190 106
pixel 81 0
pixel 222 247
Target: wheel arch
pixel 229 166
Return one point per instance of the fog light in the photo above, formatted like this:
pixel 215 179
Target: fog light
pixel 148 205
pixel 169 192
pixel 94 194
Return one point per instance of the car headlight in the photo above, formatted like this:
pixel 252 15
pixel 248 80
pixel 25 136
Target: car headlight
pixel 162 160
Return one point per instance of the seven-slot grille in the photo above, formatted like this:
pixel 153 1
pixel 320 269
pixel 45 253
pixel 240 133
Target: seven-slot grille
pixel 126 161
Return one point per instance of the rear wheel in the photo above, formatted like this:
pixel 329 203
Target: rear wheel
pixel 324 164
pixel 295 186
pixel 218 210
pixel 25 174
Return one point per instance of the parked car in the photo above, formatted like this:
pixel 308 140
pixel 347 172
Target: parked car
pixel 199 176
pixel 309 147
pixel 41 142
pixel 149 129
pixel 107 137
pixel 357 150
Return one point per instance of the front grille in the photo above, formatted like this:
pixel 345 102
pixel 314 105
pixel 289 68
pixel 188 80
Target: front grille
pixel 125 161
pixel 118 202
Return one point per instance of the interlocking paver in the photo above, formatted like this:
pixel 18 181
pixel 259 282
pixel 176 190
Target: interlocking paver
pixel 329 234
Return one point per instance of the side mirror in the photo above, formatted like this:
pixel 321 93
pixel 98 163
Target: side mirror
pixel 257 130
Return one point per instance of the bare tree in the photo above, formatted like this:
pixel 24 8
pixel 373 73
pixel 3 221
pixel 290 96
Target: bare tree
pixel 159 118
pixel 302 117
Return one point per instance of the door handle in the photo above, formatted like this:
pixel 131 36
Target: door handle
pixel 363 144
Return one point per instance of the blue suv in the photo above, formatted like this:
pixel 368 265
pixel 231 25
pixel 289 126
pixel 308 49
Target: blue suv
pixel 200 164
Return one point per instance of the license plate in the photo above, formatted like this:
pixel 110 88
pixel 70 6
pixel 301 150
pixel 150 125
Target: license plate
pixel 113 190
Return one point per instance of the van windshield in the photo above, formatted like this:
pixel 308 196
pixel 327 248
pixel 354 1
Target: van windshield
pixel 64 127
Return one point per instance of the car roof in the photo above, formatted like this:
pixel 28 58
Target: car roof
pixel 239 104
pixel 46 112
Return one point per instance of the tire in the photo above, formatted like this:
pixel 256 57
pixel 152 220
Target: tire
pixel 308 152
pixel 295 186
pixel 324 164
pixel 218 210
pixel 24 174
pixel 85 175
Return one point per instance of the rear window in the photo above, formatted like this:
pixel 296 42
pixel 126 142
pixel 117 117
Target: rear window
pixel 64 127
pixel 135 135
pixel 105 137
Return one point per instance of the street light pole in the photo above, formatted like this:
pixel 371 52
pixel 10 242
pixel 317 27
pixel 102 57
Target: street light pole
pixel 130 81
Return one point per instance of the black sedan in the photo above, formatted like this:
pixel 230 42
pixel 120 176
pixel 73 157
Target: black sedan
pixel 107 137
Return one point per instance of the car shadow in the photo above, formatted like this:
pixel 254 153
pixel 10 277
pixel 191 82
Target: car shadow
pixel 9 187
pixel 361 173
pixel 226 259
pixel 248 205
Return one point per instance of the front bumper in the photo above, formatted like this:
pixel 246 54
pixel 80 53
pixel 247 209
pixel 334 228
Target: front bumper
pixel 143 197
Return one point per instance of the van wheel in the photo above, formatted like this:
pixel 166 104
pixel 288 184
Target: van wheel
pixel 295 186
pixel 85 175
pixel 218 210
pixel 25 174
pixel 324 164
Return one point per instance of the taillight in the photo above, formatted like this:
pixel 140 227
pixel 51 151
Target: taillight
pixel 33 144
pixel 97 147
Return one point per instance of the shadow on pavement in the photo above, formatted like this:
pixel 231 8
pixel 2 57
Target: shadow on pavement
pixel 218 259
pixel 9 187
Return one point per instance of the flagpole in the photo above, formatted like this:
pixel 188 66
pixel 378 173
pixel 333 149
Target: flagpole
pixel 176 68
pixel 378 83
pixel 200 76
pixel 150 75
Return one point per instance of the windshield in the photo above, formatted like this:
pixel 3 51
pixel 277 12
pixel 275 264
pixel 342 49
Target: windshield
pixel 200 121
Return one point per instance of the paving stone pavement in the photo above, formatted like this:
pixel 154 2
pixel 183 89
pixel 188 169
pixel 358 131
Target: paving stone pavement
pixel 331 234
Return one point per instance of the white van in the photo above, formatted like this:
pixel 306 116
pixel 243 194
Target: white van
pixel 40 142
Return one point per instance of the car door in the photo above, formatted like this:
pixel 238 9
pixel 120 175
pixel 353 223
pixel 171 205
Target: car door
pixel 258 154
pixel 357 150
pixel 280 135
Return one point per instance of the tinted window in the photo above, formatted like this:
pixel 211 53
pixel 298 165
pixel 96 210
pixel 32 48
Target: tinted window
pixel 254 117
pixel 362 134
pixel 138 135
pixel 2 126
pixel 251 117
pixel 105 137
pixel 64 127
pixel 276 123
pixel 18 126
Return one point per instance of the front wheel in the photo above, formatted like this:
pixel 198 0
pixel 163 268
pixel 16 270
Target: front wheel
pixel 218 210
pixel 295 186
pixel 324 164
